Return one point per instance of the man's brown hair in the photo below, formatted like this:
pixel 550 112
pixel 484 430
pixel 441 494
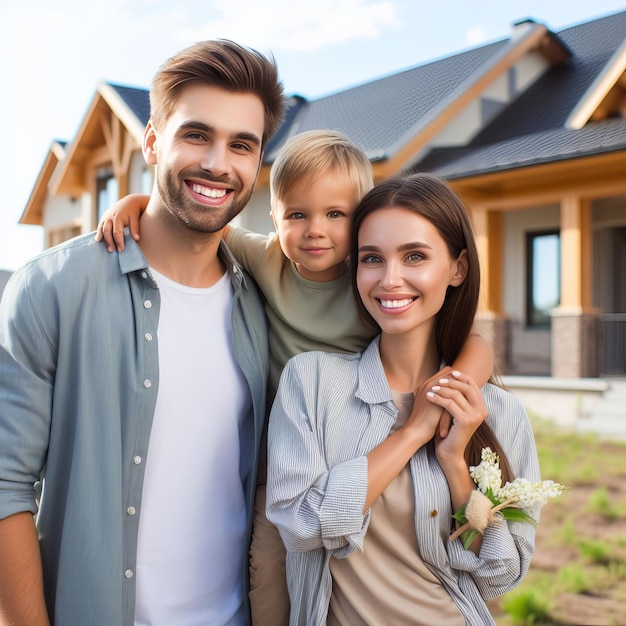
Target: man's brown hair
pixel 219 63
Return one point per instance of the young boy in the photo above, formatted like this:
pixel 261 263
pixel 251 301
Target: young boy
pixel 316 182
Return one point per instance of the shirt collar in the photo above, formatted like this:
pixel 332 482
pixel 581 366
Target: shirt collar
pixel 373 387
pixel 133 260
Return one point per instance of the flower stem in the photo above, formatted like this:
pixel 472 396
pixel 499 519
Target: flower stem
pixel 467 526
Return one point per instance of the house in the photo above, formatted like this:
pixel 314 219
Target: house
pixel 529 130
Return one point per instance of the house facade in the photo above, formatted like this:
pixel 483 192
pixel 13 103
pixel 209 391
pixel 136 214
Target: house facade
pixel 529 130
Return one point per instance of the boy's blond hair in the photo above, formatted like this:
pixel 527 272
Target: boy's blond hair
pixel 308 155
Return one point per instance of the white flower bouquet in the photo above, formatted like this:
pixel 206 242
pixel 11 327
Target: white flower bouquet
pixel 513 501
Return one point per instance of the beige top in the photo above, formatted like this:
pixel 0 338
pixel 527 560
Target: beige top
pixel 303 315
pixel 388 584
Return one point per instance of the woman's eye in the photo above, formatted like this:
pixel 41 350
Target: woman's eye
pixel 415 257
pixel 370 258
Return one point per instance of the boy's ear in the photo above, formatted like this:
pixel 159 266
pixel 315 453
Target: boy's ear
pixel 149 145
pixel 460 270
pixel 273 218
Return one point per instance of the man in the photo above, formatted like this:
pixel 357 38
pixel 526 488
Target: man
pixel 133 386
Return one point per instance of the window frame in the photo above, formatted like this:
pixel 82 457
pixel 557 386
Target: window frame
pixel 533 321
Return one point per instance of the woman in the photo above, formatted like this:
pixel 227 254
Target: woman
pixel 360 485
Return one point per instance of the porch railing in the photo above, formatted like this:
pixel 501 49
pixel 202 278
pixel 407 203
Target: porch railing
pixel 612 344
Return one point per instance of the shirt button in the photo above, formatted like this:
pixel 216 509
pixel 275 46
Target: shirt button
pixel 137 459
pixel 144 274
pixel 128 573
pixel 147 383
pixel 148 337
pixel 130 510
pixel 147 304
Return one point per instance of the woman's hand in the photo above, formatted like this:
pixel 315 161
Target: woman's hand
pixel 459 395
pixel 427 418
pixel 125 212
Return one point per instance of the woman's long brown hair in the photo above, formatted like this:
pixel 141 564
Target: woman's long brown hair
pixel 432 198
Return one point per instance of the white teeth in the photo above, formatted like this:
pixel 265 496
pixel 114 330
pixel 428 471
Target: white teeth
pixel 208 191
pixel 395 304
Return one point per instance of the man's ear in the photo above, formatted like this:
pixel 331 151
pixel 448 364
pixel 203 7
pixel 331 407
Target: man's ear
pixel 460 269
pixel 149 145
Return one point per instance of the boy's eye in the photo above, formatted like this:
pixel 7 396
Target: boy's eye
pixel 333 215
pixel 296 216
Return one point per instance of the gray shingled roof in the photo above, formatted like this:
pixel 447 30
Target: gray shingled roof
pixel 381 115
pixel 531 130
pixel 137 99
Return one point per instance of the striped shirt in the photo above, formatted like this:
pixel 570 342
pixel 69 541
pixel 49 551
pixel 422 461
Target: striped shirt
pixel 331 410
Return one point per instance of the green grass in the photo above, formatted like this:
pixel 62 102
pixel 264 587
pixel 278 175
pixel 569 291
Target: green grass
pixel 599 502
pixel 588 538
pixel 527 606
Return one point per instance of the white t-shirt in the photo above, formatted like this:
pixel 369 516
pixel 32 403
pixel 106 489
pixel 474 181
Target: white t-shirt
pixel 192 522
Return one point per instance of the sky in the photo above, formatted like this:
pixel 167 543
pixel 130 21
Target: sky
pixel 54 53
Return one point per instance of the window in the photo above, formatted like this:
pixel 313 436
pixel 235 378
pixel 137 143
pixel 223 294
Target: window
pixel 543 276
pixel 106 190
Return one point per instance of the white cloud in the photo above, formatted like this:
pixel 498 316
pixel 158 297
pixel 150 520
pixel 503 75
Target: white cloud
pixel 285 25
pixel 475 36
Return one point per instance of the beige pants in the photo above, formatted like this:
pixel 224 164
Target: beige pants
pixel 269 599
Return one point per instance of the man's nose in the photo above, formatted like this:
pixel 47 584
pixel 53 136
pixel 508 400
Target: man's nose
pixel 216 159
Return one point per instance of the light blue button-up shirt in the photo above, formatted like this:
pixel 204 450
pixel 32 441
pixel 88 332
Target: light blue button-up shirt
pixel 78 385
pixel 331 410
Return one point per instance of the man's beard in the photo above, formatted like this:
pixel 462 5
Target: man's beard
pixel 198 217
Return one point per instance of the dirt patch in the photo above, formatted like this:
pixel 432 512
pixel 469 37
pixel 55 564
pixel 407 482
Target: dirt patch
pixel 585 533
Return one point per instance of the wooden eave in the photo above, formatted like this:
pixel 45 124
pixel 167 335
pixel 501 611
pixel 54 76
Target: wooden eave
pixel 606 96
pixel 537 185
pixel 108 123
pixel 33 211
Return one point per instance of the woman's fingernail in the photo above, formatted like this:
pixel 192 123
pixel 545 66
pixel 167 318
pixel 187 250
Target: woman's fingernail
pixel 430 394
pixel 443 381
pixel 435 387
pixel 456 374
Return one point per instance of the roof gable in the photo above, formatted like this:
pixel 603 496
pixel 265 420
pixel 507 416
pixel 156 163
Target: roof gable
pixel 33 212
pixel 111 108
pixel 534 128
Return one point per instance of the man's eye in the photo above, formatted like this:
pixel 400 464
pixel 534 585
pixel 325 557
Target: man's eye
pixel 241 146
